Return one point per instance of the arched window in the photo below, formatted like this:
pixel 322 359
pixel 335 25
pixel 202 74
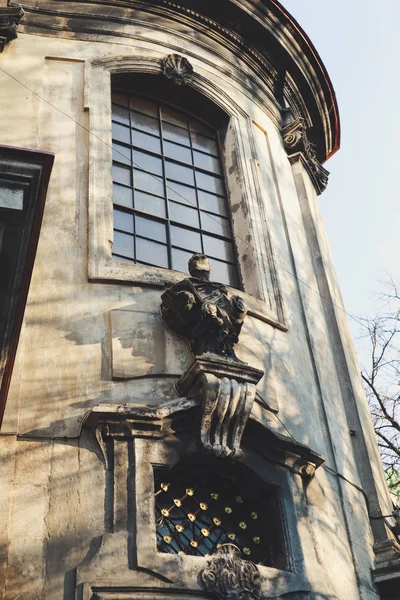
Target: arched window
pixel 169 189
pixel 204 502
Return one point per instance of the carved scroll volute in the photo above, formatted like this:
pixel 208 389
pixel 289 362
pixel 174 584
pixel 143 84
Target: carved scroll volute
pixel 296 141
pixel 231 578
pixel 226 406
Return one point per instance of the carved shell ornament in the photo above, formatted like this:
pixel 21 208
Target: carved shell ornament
pixel 177 68
pixel 231 578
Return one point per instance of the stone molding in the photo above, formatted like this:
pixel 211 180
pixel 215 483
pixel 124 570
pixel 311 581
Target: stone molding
pixel 296 141
pixel 177 68
pixel 231 578
pixel 128 421
pixel 10 16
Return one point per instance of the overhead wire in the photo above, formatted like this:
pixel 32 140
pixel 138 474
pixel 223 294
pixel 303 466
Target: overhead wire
pixel 171 188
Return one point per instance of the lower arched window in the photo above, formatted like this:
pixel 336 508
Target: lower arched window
pixel 204 502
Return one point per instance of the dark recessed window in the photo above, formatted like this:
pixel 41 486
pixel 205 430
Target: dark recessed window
pixel 202 503
pixel 169 189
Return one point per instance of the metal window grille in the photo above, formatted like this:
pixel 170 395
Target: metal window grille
pixel 169 190
pixel 200 505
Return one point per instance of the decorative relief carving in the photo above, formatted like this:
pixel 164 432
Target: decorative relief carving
pixel 177 68
pixel 230 577
pixel 295 139
pixel 202 312
pixel 10 16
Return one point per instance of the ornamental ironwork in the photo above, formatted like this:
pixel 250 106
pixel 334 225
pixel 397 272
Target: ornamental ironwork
pixel 201 505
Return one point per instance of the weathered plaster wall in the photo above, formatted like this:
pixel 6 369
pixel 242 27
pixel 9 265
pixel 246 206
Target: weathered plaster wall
pixel 88 343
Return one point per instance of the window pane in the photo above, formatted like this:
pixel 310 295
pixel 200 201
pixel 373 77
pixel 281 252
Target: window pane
pixel 180 260
pixel 218 248
pixel 121 154
pixel 151 253
pixel 150 229
pixel 123 244
pixel 183 214
pixel 200 142
pixel 202 128
pixel 121 99
pixel 123 259
pixel 150 204
pixel 122 174
pixel 179 173
pixel 185 238
pixel 174 116
pixel 121 133
pixel 177 152
pixel 181 193
pixel 223 272
pixel 212 203
pixel 123 220
pixel 147 162
pixel 210 183
pixel 143 105
pixel 176 134
pixel 149 183
pixel 120 114
pixel 146 142
pixel 207 162
pixel 145 123
pixel 122 196
pixel 215 224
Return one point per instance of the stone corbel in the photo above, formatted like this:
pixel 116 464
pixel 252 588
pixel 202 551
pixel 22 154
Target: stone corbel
pixel 297 144
pixel 10 16
pixel 225 390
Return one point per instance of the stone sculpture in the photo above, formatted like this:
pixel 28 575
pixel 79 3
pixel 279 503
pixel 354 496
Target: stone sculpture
pixel 202 311
pixel 231 578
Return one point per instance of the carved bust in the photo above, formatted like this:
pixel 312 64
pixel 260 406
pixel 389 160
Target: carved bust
pixel 201 311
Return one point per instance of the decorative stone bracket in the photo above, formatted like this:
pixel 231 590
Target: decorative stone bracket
pixel 231 578
pixel 10 16
pixel 297 143
pixel 226 390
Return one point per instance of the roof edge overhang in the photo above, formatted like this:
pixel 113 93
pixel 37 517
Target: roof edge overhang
pixel 321 73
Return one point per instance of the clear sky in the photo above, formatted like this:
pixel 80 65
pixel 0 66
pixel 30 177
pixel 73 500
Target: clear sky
pixel 359 43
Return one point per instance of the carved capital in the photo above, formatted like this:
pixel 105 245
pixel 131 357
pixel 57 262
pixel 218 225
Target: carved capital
pixel 229 577
pixel 10 16
pixel 296 141
pixel 177 68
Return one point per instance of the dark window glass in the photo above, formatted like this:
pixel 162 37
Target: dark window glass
pixel 201 504
pixel 169 193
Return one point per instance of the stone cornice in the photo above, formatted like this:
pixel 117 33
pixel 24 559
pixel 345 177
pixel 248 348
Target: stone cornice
pixel 10 16
pixel 181 415
pixel 261 34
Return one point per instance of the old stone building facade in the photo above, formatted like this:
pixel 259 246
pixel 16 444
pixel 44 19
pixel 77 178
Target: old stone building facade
pixel 176 431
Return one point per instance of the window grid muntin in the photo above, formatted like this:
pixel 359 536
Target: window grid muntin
pixel 193 127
